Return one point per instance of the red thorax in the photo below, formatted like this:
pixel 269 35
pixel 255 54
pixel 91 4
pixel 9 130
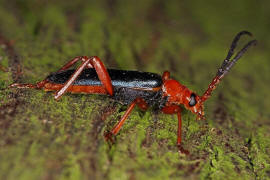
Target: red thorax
pixel 179 94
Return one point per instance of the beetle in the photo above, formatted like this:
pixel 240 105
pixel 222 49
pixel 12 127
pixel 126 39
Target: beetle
pixel 135 87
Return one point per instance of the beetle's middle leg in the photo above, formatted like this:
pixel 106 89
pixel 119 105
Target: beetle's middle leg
pixel 138 101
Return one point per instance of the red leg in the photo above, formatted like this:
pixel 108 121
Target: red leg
pixel 179 134
pixel 73 61
pixel 166 75
pixel 71 80
pixel 179 130
pixel 70 63
pixel 102 73
pixel 94 62
pixel 140 102
pixel 41 84
pixel 33 86
pixel 118 126
pixel 174 109
pixel 17 85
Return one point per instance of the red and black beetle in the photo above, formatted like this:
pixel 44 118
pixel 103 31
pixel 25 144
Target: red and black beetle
pixel 134 87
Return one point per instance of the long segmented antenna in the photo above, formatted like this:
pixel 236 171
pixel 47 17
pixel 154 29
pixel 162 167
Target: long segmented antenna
pixel 227 63
pixel 235 41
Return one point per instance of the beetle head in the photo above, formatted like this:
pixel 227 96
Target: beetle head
pixel 180 95
pixel 193 103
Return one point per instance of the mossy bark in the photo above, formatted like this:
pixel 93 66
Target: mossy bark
pixel 45 139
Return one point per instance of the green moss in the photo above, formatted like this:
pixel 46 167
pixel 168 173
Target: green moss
pixel 45 139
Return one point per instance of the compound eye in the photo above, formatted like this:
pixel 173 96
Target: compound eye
pixel 192 101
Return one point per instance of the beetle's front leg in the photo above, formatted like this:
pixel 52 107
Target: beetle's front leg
pixel 138 101
pixel 174 109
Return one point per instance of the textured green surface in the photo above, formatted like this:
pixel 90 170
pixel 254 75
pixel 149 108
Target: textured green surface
pixel 44 139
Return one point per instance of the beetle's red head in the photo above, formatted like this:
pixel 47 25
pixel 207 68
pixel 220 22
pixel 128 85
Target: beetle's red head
pixel 194 103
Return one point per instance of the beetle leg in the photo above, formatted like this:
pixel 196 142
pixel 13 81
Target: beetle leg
pixel 102 73
pixel 165 76
pixel 22 86
pixel 70 63
pixel 32 86
pixel 71 80
pixel 73 61
pixel 179 133
pixel 140 102
pixel 41 83
pixel 179 130
pixel 174 109
pixel 94 62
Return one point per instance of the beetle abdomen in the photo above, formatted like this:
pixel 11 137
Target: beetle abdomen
pixel 119 78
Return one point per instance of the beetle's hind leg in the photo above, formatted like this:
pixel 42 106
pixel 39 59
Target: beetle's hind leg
pixel 38 85
pixel 73 61
pixel 41 83
pixel 93 62
pixel 22 86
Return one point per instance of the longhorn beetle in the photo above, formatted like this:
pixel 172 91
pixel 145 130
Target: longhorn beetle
pixel 135 87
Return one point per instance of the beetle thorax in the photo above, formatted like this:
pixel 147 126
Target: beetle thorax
pixel 174 91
